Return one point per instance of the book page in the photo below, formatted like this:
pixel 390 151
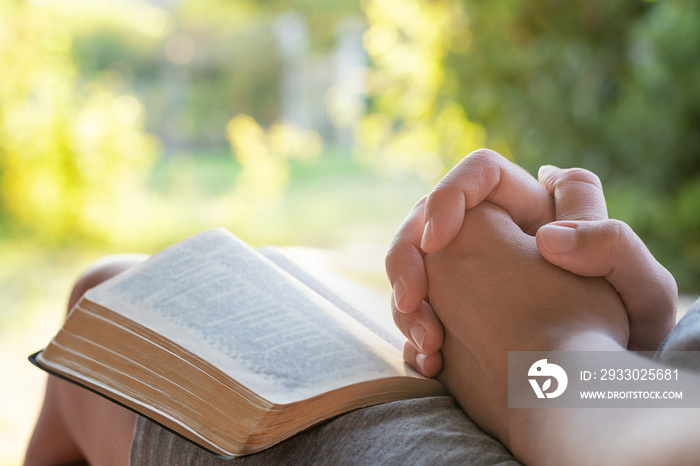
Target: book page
pixel 215 296
pixel 361 304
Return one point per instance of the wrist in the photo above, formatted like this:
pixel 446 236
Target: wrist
pixel 526 428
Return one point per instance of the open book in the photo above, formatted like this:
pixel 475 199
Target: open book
pixel 232 348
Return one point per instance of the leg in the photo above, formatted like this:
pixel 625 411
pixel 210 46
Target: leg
pixel 75 425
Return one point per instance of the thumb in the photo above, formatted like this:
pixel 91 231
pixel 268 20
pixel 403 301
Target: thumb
pixel 611 249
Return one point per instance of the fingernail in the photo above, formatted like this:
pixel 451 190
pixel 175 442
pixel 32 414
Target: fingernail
pixel 427 232
pixel 399 290
pixel 420 360
pixel 558 239
pixel 418 333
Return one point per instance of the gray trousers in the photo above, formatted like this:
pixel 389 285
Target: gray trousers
pixel 424 431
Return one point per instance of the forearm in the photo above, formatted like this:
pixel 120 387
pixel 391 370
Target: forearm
pixel 632 436
pixel 640 436
pixel 574 435
pixel 483 391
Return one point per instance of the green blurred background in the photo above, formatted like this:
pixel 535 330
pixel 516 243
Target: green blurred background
pixel 128 125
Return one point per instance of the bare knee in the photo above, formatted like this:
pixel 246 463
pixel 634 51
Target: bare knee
pixel 101 430
pixel 79 427
pixel 74 424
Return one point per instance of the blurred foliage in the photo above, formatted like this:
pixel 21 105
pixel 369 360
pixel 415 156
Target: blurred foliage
pixel 72 154
pixel 265 158
pixel 95 93
pixel 201 63
pixel 198 65
pixel 100 101
pixel 415 123
pixel 609 86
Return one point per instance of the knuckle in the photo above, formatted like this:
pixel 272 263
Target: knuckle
pixel 401 243
pixel 470 176
pixel 619 229
pixel 621 241
pixel 485 155
pixel 420 204
pixel 485 159
pixel 389 258
pixel 443 187
pixel 403 321
pixel 618 234
pixel 394 248
pixel 418 207
pixel 409 353
pixel 446 189
pixel 579 175
pixel 398 317
pixel 416 213
pixel 397 250
pixel 670 287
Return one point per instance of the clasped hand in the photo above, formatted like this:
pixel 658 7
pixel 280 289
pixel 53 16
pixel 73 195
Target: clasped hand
pixel 565 216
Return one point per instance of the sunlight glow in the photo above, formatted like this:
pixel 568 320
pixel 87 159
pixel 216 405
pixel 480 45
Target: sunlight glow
pixel 126 109
pixel 180 49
